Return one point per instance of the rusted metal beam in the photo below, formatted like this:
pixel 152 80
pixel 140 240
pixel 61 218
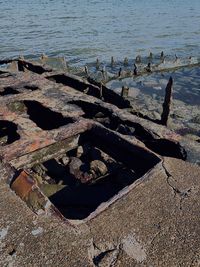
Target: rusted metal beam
pixel 167 102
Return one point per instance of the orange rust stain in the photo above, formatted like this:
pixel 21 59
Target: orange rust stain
pixel 48 142
pixel 34 146
pixel 38 144
pixel 23 184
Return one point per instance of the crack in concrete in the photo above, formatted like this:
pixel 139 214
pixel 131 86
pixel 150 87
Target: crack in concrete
pixel 182 194
pixel 176 190
pixel 154 238
pixel 119 250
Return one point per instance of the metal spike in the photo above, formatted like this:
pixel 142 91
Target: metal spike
pixel 112 61
pixel 120 72
pixel 86 71
pixel 97 64
pixel 135 71
pixel 138 59
pixel 126 61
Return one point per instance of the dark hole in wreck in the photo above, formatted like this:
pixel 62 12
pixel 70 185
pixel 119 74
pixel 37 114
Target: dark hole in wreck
pixel 8 132
pixel 76 84
pixel 90 89
pixel 161 146
pixel 9 91
pixel 98 113
pixel 31 87
pixel 77 198
pixel 44 117
pixel 22 65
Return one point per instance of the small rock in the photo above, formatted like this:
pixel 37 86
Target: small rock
pixel 79 151
pixel 99 115
pixel 64 160
pixel 3 233
pixel 75 165
pixel 76 168
pixel 98 168
pixel 156 115
pixel 104 121
pixel 37 231
pixel 4 140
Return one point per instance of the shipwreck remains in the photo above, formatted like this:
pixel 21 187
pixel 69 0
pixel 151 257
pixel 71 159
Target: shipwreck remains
pixel 72 148
pixel 86 180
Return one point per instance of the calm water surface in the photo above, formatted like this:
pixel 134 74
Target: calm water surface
pixel 83 30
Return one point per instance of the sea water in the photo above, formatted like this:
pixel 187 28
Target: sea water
pixel 83 30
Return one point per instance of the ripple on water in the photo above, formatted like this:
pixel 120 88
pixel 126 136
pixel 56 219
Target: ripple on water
pixel 102 28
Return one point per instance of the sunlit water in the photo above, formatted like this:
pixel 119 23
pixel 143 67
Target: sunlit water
pixel 83 30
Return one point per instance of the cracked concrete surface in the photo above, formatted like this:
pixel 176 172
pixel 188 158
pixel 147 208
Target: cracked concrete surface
pixel 146 227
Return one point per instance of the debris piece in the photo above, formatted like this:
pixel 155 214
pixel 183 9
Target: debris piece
pixel 125 91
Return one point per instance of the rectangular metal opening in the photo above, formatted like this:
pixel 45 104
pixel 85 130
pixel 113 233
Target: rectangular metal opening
pixel 102 164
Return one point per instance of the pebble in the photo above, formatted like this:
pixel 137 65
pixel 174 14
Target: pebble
pixel 98 167
pixel 3 233
pixel 65 160
pixel 37 231
pixel 79 151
